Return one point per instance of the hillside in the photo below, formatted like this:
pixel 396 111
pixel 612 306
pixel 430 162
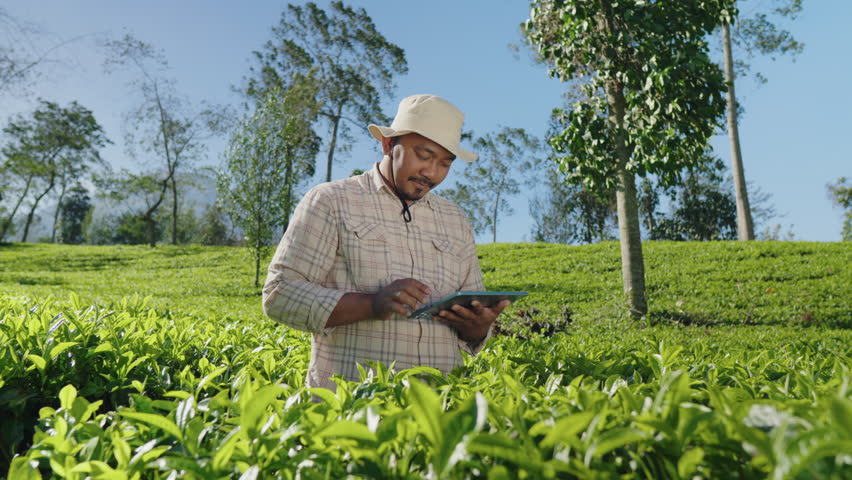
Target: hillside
pixel 689 283
pixel 131 362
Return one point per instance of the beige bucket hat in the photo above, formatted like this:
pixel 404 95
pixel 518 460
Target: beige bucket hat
pixel 430 116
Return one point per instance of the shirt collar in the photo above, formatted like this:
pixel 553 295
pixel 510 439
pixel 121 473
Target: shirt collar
pixel 378 185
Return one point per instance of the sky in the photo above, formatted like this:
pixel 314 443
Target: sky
pixel 793 131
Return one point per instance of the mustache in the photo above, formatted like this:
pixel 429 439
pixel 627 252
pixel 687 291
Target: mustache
pixel 422 180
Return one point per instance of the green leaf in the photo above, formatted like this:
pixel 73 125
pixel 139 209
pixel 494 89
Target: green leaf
pixel 348 429
pixel 501 447
pixel 689 462
pixel 104 347
pixel 185 412
pixel 180 394
pixel 210 376
pixel 38 361
pixel 254 413
pixel 566 429
pixel 67 396
pixel 99 470
pixel 223 454
pixel 23 469
pixel 153 420
pixel 612 439
pixel 426 410
pixel 326 396
pixel 55 351
pixel 841 414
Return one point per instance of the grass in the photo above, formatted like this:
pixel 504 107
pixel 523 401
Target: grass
pixel 733 283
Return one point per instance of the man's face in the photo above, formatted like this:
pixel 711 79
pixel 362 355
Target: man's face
pixel 419 164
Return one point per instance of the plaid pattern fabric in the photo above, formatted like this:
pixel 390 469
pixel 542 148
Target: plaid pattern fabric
pixel 349 236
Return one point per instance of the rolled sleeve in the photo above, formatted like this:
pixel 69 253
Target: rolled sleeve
pixel 294 293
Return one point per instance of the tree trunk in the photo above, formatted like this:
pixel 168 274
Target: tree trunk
pixel 35 205
pixel 745 226
pixel 8 222
pixel 174 212
pixel 632 262
pixel 494 223
pixel 148 216
pixel 335 122
pixel 56 213
pixel 288 179
pixel 257 267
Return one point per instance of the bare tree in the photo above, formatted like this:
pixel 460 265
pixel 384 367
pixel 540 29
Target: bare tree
pixel 163 124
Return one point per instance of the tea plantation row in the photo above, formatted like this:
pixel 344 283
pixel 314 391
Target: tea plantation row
pixel 743 374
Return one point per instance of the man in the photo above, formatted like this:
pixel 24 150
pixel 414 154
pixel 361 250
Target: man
pixel 360 254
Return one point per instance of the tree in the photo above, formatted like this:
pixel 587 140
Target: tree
pixel 214 227
pixel 134 191
pixel 490 181
pixel 703 209
pixel 74 210
pixel 49 148
pixel 841 195
pixel 20 58
pixel 755 34
pixel 653 98
pixel 569 212
pixel 163 124
pixel 270 153
pixel 353 64
pixel 703 206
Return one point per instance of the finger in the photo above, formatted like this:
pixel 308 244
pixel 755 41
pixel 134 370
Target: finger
pixel 478 308
pixel 400 309
pixel 500 306
pixel 451 318
pixel 415 294
pixel 418 286
pixel 463 312
pixel 405 298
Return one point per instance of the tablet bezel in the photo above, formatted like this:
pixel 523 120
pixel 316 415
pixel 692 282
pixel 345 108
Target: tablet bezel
pixel 489 299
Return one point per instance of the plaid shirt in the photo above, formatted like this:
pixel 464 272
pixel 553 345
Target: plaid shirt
pixel 349 236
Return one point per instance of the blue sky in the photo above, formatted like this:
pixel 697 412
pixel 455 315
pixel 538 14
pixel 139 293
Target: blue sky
pixel 794 130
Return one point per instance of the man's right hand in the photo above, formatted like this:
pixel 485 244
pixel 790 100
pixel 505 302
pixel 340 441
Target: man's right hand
pixel 400 296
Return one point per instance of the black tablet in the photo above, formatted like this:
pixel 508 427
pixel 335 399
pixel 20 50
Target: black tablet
pixel 489 299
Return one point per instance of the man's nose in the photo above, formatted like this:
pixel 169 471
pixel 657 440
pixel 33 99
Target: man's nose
pixel 428 170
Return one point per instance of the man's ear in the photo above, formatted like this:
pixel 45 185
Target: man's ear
pixel 386 146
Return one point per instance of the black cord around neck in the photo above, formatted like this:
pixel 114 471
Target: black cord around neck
pixel 406 213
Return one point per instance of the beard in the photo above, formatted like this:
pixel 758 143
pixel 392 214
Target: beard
pixel 418 182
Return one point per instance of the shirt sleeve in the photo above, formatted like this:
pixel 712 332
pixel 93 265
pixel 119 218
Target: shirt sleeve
pixel 293 293
pixel 473 282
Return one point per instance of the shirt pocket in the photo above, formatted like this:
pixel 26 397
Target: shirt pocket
pixel 448 268
pixel 365 246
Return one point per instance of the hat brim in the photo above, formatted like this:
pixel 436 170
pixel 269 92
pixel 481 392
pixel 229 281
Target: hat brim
pixel 378 132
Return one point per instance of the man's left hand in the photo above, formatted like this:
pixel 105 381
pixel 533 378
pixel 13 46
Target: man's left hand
pixel 473 323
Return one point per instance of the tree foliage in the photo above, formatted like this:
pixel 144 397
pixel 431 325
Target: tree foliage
pixel 571 213
pixel 652 98
pixel 163 124
pixel 340 49
pixel 841 195
pixel 270 153
pixel 488 184
pixel 54 146
pixel 20 55
pixel 73 212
